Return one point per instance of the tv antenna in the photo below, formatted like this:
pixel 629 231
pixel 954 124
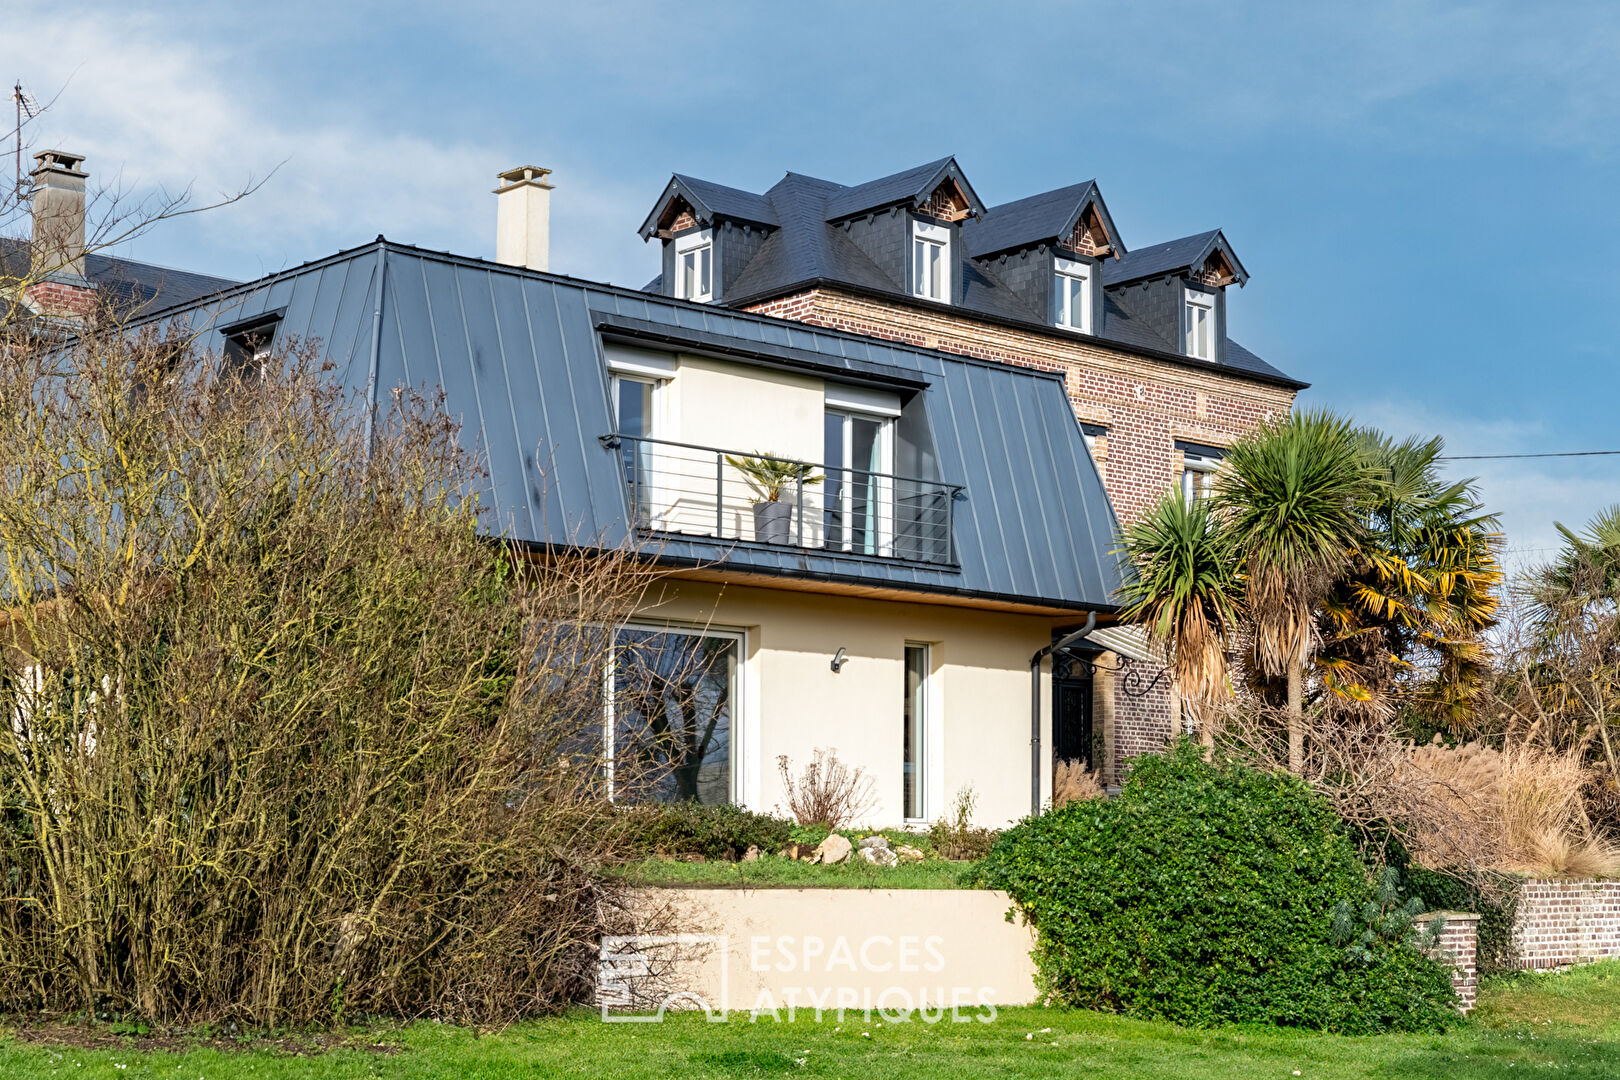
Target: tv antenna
pixel 26 106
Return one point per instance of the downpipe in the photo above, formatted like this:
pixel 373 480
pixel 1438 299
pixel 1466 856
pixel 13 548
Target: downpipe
pixel 1035 706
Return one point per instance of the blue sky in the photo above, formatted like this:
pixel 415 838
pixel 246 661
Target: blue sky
pixel 1424 194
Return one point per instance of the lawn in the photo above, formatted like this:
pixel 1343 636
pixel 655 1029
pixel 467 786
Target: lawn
pixel 773 872
pixel 1568 1024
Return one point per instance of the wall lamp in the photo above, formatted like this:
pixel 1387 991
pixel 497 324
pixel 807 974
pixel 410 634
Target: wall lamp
pixel 837 664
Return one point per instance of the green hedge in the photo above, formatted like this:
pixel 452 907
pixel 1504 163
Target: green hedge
pixel 1206 894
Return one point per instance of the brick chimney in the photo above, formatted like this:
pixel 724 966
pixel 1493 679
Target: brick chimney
pixel 61 290
pixel 523 218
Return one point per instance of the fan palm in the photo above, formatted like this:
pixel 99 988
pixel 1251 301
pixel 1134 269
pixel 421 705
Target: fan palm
pixel 1420 590
pixel 1185 590
pixel 1292 496
pixel 1586 570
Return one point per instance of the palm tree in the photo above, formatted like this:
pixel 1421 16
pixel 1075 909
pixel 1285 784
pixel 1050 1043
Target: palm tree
pixel 1587 569
pixel 1186 591
pixel 1406 619
pixel 1292 496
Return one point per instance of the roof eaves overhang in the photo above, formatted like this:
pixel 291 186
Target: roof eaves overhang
pixel 1019 324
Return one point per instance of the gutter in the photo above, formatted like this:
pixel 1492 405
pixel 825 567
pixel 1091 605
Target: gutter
pixel 1035 706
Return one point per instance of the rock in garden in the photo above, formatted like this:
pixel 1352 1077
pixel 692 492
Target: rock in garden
pixel 878 841
pixel 879 856
pixel 752 854
pixel 907 853
pixel 832 851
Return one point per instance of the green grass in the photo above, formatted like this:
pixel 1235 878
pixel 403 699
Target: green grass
pixel 773 872
pixel 1563 1024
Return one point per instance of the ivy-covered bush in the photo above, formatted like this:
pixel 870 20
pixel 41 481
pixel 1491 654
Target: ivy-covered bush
pixel 714 832
pixel 1208 894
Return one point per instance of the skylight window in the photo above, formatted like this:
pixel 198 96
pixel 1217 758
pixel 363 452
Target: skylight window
pixel 1071 295
pixel 930 261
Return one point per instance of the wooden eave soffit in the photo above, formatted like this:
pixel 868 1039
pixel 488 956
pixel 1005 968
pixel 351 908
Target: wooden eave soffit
pixel 947 202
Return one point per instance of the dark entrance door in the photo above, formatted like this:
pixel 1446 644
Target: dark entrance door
pixel 1071 710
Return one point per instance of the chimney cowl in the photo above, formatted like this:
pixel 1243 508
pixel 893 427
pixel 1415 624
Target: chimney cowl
pixel 523 218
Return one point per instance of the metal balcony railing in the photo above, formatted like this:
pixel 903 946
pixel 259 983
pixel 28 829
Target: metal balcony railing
pixel 691 490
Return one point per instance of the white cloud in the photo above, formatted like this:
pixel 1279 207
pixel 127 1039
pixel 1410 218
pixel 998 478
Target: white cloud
pixel 153 109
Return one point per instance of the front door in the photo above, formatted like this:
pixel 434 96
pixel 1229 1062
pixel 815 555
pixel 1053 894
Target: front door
pixel 1071 710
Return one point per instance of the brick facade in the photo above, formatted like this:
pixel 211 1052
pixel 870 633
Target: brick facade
pixel 1562 923
pixel 1146 404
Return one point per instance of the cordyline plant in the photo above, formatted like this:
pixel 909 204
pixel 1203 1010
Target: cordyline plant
pixel 287 740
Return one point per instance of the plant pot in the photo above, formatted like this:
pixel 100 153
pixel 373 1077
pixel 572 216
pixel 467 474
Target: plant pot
pixel 771 521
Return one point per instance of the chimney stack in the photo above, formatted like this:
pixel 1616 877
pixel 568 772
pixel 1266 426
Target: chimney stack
pixel 523 218
pixel 59 212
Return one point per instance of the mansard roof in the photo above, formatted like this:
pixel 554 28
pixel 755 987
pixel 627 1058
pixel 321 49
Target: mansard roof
pixel 520 357
pixel 809 246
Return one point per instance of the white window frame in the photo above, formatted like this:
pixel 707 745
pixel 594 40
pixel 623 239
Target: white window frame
pixel 654 457
pixel 693 244
pixel 925 235
pixel 743 782
pixel 1194 300
pixel 929 783
pixel 1067 270
pixel 1198 476
pixel 885 471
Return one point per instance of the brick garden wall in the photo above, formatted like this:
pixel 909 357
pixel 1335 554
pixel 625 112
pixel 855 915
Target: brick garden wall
pixel 1458 947
pixel 1562 923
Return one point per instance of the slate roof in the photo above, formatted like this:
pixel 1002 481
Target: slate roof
pixel 131 286
pixel 906 185
pixel 519 355
pixel 807 246
pixel 1172 256
pixel 709 199
pixel 1048 216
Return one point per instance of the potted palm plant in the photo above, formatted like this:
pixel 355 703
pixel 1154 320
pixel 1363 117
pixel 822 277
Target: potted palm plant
pixel 770 476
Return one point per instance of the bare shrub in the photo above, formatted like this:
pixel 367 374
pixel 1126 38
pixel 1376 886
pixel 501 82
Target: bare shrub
pixel 1469 809
pixel 288 740
pixel 1071 780
pixel 954 836
pixel 827 792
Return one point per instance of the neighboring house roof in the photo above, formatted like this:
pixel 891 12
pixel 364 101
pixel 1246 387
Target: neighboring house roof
pixel 130 286
pixel 1185 255
pixel 807 247
pixel 519 355
pixel 1043 218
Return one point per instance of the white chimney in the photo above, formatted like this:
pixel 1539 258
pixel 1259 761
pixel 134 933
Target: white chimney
pixel 59 212
pixel 523 218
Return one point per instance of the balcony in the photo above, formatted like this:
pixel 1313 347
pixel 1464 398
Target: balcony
pixel 703 491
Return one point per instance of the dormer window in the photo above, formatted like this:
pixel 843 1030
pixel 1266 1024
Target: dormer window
pixel 248 344
pixel 1071 295
pixel 930 261
pixel 694 266
pixel 1198 323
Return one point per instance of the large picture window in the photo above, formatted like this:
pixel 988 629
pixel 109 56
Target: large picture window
pixel 671 715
